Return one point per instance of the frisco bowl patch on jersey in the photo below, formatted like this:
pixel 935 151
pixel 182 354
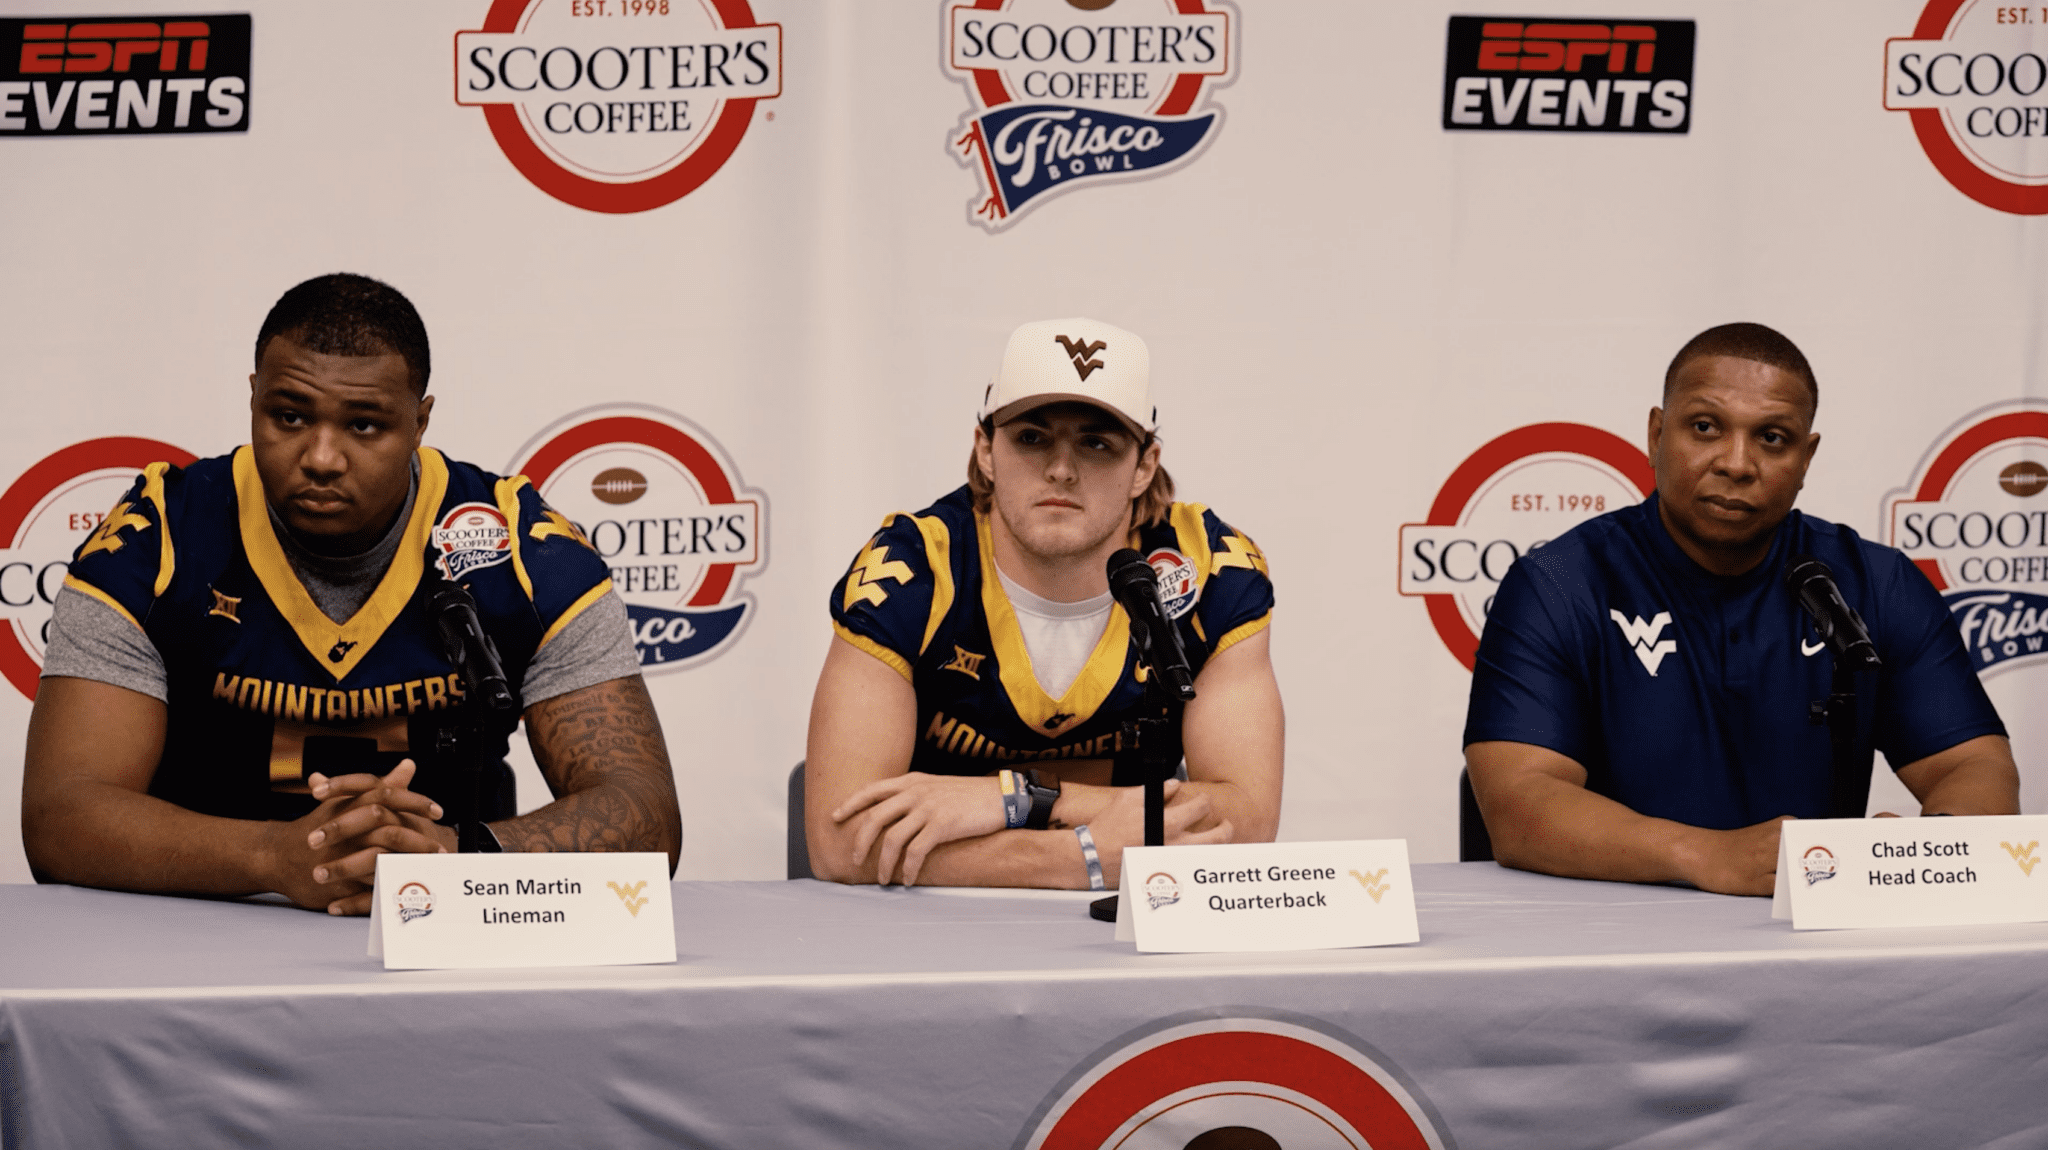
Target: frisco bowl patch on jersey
pixel 470 536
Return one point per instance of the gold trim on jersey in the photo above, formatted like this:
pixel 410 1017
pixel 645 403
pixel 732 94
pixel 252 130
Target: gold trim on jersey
pixel 1241 632
pixel 153 490
pixel 338 647
pixel 574 609
pixel 84 588
pixel 938 549
pixel 507 495
pixel 1090 689
pixel 1193 537
pixel 889 658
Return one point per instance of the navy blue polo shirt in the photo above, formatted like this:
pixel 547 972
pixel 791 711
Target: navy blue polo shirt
pixel 1684 694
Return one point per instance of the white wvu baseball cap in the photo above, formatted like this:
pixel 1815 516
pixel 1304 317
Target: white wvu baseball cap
pixel 1074 360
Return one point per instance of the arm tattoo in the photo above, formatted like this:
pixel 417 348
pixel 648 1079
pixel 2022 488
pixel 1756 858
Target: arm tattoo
pixel 601 751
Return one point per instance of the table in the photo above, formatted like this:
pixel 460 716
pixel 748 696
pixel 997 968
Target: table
pixel 1536 1012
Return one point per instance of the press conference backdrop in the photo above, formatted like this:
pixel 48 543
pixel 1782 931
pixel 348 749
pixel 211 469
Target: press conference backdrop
pixel 726 277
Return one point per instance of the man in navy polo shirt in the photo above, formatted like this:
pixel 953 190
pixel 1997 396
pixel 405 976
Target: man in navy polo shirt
pixel 1640 703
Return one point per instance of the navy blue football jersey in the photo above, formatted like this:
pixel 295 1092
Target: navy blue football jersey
pixel 1685 694
pixel 261 681
pixel 923 598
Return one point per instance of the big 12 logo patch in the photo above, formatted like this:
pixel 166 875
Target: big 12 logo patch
pixel 1072 92
pixel 660 501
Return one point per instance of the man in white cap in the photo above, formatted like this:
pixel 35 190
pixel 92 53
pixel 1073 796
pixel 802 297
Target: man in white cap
pixel 968 725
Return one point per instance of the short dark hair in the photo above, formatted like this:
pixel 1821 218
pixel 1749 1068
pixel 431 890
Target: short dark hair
pixel 1753 342
pixel 343 314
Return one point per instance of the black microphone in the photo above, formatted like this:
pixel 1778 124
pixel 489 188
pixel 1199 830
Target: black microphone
pixel 1840 627
pixel 462 635
pixel 1136 589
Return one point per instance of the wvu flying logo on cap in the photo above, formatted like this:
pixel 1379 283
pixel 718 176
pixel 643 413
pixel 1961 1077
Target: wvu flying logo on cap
pixel 1082 353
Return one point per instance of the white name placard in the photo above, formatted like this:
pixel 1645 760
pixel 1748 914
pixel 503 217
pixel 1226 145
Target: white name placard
pixel 583 909
pixel 1836 873
pixel 1267 896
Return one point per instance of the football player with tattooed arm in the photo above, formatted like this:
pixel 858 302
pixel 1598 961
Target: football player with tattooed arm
pixel 245 690
pixel 967 727
pixel 1640 703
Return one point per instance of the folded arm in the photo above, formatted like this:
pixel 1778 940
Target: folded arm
pixel 87 816
pixel 1542 818
pixel 868 818
pixel 601 750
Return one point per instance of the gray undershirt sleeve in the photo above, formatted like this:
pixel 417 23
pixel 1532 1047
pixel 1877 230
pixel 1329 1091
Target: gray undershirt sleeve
pixel 90 640
pixel 594 647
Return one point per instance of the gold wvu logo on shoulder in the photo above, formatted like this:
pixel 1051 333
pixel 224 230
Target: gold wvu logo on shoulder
pixel 107 536
pixel 553 522
pixel 225 606
pixel 966 662
pixel 1239 551
pixel 1083 354
pixel 864 582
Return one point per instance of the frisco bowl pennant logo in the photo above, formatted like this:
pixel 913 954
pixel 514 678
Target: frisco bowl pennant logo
pixel 414 901
pixel 470 536
pixel 44 515
pixel 660 501
pixel 618 105
pixel 1819 865
pixel 1975 519
pixel 1178 587
pixel 1236 1084
pixel 1512 496
pixel 1971 76
pixel 1071 92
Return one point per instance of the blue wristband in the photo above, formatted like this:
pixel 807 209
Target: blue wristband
pixel 1016 802
pixel 1089 856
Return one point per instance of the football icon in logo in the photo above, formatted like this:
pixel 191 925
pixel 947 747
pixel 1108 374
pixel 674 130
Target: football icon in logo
pixel 617 485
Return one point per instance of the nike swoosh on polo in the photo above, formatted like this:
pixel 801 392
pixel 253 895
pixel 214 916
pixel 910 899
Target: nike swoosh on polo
pixel 1809 651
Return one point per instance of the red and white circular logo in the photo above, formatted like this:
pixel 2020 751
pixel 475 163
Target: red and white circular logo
pixel 44 515
pixel 618 105
pixel 1975 519
pixel 1236 1084
pixel 1972 76
pixel 1178 587
pixel 662 504
pixel 470 536
pixel 1513 495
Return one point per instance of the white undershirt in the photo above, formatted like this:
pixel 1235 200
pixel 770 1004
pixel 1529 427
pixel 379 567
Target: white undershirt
pixel 1059 637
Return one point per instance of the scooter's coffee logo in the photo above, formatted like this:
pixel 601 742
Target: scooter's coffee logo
pixel 1975 520
pixel 1511 496
pixel 1974 78
pixel 1066 93
pixel 45 514
pixel 660 501
pixel 1235 1083
pixel 618 105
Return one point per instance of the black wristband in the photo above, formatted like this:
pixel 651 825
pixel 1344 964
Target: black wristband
pixel 1044 790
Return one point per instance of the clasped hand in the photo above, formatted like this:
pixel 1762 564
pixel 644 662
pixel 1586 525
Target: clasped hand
pixel 328 858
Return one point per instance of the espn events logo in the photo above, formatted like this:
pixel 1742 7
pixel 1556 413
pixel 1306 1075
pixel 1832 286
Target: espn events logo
pixel 1542 74
pixel 618 105
pixel 659 500
pixel 1974 78
pixel 1513 495
pixel 124 75
pixel 45 514
pixel 1067 93
pixel 1975 519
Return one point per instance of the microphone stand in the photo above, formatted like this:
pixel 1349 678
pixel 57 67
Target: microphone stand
pixel 460 741
pixel 1848 788
pixel 1150 735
